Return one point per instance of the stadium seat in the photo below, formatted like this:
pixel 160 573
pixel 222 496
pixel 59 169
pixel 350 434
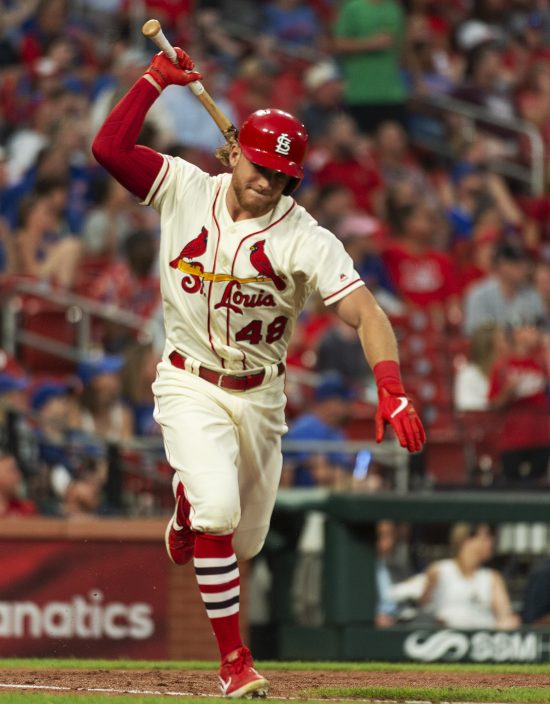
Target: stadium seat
pixel 446 461
pixel 49 321
pixel 360 425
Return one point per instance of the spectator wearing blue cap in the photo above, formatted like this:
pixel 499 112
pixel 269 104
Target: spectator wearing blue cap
pixel 476 193
pixel 66 454
pixel 54 409
pixel 323 421
pixel 11 388
pixel 103 411
pixel 470 195
pixel 47 392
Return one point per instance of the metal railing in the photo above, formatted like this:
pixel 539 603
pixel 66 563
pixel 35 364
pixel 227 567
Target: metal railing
pixel 533 174
pixel 79 310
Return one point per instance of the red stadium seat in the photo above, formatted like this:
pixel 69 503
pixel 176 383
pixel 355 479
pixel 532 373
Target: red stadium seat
pixel 360 425
pixel 446 461
pixel 49 321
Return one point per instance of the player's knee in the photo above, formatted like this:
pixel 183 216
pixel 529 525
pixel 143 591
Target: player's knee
pixel 217 519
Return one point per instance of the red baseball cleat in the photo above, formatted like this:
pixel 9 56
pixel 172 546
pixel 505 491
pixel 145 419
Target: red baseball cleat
pixel 239 679
pixel 179 538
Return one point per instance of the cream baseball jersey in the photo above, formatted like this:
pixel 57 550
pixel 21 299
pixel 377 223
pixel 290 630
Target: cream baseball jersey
pixel 232 290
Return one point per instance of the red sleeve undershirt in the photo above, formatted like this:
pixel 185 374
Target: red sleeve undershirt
pixel 114 147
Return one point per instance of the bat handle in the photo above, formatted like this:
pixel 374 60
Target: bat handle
pixel 153 31
pixel 196 87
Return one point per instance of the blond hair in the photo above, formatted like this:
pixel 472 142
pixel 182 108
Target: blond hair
pixel 222 153
pixel 482 347
pixel 460 532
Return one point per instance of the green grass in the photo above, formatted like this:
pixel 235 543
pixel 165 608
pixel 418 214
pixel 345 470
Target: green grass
pixel 512 695
pixel 540 695
pixel 345 695
pixel 41 663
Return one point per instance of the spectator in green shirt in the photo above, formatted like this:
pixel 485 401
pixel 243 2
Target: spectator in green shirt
pixel 368 40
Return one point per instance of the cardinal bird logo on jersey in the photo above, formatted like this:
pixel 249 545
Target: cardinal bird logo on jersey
pixel 193 249
pixel 191 283
pixel 260 262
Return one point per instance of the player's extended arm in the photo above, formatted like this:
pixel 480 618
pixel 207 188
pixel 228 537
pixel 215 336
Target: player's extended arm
pixel 361 311
pixel 114 146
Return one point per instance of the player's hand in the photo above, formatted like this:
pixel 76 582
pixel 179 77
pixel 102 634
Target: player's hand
pixel 165 73
pixel 396 409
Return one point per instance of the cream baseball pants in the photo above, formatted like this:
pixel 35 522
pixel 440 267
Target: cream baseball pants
pixel 225 447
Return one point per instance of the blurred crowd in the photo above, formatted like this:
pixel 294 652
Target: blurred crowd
pixel 455 247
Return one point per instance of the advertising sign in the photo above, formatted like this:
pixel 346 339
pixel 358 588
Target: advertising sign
pixel 83 599
pixel 477 646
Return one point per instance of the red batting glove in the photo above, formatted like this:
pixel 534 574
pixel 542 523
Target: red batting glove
pixel 396 409
pixel 165 73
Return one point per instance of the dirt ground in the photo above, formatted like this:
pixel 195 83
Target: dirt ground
pixel 289 683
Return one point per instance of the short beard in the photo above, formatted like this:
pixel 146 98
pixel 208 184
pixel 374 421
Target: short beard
pixel 256 210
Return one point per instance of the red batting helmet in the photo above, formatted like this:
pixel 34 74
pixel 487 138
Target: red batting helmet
pixel 276 140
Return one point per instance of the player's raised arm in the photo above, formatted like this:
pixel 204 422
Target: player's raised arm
pixel 114 146
pixel 360 310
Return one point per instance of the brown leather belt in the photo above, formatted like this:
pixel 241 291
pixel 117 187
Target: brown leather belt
pixel 226 381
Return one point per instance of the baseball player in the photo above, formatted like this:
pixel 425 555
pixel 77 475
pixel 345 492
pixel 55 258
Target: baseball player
pixel 238 259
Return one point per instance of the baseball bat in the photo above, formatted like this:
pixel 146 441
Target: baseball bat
pixel 153 30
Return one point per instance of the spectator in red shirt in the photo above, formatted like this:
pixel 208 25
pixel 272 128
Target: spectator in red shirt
pixel 344 157
pixel 474 257
pixel 421 274
pixel 519 388
pixel 262 82
pixel 131 283
pixel 11 479
pixel 50 23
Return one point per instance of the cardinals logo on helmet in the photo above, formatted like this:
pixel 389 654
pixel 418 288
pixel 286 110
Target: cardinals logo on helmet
pixel 260 262
pixel 283 144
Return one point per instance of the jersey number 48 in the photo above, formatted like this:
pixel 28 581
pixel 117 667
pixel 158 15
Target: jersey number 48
pixel 252 332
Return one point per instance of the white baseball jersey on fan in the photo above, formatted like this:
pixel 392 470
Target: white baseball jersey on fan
pixel 231 293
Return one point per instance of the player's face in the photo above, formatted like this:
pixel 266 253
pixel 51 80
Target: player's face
pixel 255 189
